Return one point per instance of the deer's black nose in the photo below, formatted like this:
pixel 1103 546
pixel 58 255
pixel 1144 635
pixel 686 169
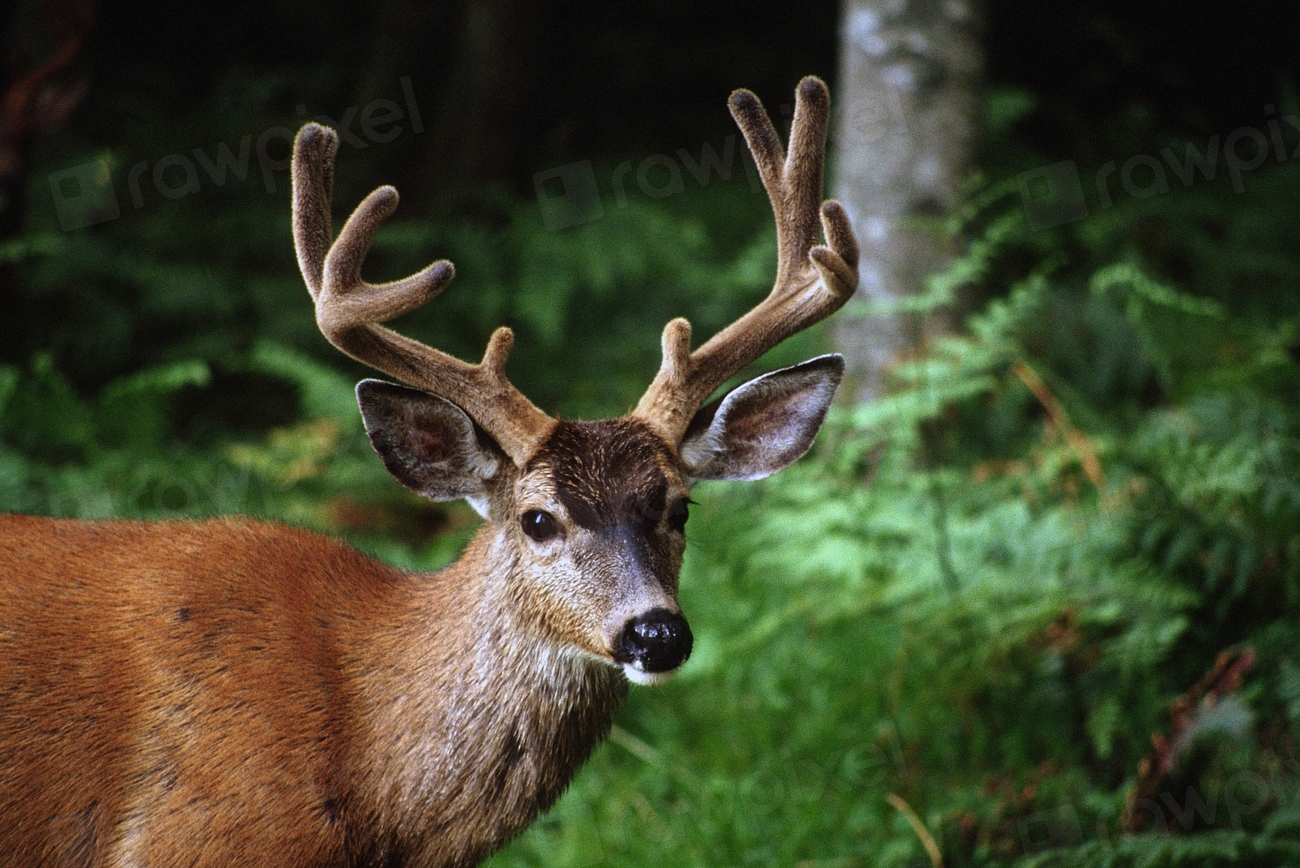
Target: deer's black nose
pixel 658 641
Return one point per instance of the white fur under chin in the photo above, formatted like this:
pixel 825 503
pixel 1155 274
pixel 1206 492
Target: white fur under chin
pixel 640 676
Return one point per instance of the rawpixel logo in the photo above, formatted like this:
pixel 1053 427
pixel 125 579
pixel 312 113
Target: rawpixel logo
pixel 85 195
pixel 570 195
pixel 1056 194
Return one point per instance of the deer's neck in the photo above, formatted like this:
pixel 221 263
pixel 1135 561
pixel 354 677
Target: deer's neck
pixel 475 722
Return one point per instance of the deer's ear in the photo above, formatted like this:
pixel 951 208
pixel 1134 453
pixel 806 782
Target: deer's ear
pixel 427 442
pixel 763 425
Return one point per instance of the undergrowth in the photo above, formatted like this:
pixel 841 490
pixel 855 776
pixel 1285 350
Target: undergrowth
pixel 954 633
pixel 947 636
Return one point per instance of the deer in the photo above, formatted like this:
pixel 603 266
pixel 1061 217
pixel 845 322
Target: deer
pixel 227 691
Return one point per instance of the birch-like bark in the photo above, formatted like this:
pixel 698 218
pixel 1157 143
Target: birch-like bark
pixel 908 101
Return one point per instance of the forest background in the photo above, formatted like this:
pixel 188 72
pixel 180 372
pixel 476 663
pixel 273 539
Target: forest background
pixel 1033 603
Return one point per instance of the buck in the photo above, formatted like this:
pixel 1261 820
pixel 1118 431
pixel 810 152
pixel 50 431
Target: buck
pixel 238 693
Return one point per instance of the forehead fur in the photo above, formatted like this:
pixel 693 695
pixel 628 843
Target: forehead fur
pixel 607 471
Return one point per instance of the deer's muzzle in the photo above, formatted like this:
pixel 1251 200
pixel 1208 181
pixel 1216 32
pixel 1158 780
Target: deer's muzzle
pixel 652 645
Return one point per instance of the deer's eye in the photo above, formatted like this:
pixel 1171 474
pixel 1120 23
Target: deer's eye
pixel 678 513
pixel 540 526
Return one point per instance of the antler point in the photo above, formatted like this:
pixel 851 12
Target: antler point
pixel 498 349
pixel 677 335
pixel 839 278
pixel 317 137
pixel 743 99
pixel 812 87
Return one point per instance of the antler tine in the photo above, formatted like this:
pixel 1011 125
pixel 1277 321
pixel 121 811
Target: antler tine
pixel 812 281
pixel 349 310
pixel 313 187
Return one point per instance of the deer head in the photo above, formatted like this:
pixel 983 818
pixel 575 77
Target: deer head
pixel 585 520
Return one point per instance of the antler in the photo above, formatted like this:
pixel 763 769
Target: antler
pixel 349 310
pixel 812 281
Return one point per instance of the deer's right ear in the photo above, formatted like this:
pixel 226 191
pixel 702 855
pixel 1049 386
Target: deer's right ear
pixel 764 425
pixel 427 442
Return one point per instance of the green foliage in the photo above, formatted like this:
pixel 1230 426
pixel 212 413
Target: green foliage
pixel 975 600
pixel 979 595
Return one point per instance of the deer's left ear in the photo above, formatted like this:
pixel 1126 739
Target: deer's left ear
pixel 764 425
pixel 427 442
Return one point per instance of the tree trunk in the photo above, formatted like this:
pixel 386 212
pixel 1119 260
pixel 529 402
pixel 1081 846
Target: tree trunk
pixel 910 73
pixel 475 131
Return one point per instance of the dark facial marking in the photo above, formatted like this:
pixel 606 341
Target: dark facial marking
pixel 606 472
